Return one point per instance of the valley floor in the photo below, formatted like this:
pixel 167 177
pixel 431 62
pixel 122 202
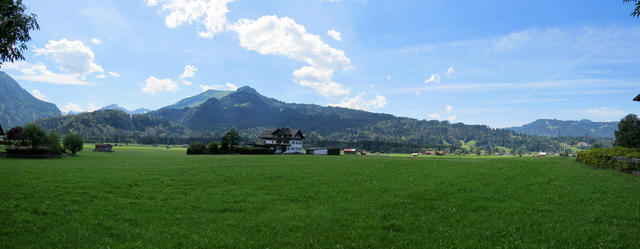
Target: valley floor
pixel 161 198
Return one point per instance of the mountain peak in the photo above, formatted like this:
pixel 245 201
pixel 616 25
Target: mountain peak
pixel 247 89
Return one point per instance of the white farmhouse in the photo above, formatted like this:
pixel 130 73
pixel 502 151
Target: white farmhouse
pixel 283 140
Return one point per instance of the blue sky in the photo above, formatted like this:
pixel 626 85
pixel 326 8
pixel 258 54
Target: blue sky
pixel 499 63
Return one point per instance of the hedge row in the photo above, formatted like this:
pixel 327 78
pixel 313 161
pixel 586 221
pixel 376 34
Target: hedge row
pixel 603 157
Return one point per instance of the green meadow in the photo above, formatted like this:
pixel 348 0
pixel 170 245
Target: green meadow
pixel 161 198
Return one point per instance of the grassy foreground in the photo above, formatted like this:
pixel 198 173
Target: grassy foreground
pixel 165 199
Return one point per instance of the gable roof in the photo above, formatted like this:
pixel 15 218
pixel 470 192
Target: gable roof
pixel 637 98
pixel 286 133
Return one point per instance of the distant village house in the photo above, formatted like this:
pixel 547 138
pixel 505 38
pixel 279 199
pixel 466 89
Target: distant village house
pixel 283 140
pixel 350 151
pixel 103 148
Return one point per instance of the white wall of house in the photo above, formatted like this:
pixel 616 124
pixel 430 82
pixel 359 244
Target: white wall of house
pixel 295 146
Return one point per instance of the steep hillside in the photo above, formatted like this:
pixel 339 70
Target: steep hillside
pixel 556 128
pixel 195 101
pixel 18 107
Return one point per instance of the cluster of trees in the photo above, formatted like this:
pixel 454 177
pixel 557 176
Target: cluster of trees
pixel 42 142
pixel 628 133
pixel 228 145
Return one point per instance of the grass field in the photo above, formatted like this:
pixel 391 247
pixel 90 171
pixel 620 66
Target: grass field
pixel 161 198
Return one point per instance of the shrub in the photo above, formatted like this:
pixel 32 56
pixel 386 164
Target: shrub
pixel 196 148
pixel 73 142
pixel 255 151
pixel 213 148
pixel 53 142
pixel 603 157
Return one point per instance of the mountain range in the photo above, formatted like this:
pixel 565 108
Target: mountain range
pixel 209 114
pixel 18 107
pixel 130 112
pixel 555 128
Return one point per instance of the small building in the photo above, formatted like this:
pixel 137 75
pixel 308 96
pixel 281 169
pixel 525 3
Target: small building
pixel 429 152
pixel 363 152
pixel 415 154
pixel 350 151
pixel 103 148
pixel 542 153
pixel 283 140
pixel 440 153
pixel 317 151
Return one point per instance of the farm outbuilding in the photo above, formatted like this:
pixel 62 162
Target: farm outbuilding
pixel 350 151
pixel 323 151
pixel 103 148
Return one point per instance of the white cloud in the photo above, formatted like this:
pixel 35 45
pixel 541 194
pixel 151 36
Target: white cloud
pixel 359 103
pixel 283 36
pixel 212 14
pixel 188 83
pixel 189 72
pixel 434 116
pixel 232 86
pixel 605 112
pixel 154 86
pixel 451 118
pixel 114 74
pixel 92 107
pixel 388 77
pixel 229 87
pixel 38 95
pixel 71 107
pixel 101 76
pixel 450 71
pixel 40 73
pixel 434 78
pixel 72 56
pixel 334 34
pixel 96 41
pixel 448 108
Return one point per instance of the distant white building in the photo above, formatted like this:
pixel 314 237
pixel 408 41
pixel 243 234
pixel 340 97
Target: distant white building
pixel 283 140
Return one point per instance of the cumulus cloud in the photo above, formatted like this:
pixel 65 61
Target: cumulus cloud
pixel 188 83
pixel 71 107
pixel 114 74
pixel 39 73
pixel 434 78
pixel 154 86
pixel 229 87
pixel 38 95
pixel 450 71
pixel 212 14
pixel 189 72
pixel 92 107
pixel 359 103
pixel 434 116
pixel 448 108
pixel 96 41
pixel 72 56
pixel 283 36
pixel 334 34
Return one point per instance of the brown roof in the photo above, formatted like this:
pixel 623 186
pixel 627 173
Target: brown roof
pixel 282 132
pixel 637 98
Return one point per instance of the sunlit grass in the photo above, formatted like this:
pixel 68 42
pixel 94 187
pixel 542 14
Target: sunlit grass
pixel 160 198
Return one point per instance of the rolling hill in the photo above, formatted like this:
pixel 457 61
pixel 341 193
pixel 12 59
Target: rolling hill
pixel 557 128
pixel 18 107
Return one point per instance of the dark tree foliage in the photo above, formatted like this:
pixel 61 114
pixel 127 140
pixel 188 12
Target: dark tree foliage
pixel 34 135
pixel 628 133
pixel 635 12
pixel 196 148
pixel 53 142
pixel 15 133
pixel 213 147
pixel 231 139
pixel 15 25
pixel 73 143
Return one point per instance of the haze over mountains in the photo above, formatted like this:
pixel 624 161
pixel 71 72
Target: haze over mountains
pixel 555 128
pixel 130 112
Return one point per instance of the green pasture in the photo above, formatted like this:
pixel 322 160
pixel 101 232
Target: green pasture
pixel 161 198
